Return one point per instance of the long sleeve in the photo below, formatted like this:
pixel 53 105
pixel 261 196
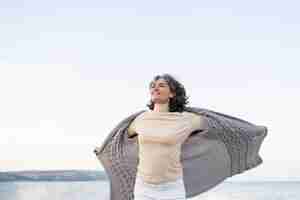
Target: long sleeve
pixel 199 122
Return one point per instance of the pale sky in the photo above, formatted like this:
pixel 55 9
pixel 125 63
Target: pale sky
pixel 70 71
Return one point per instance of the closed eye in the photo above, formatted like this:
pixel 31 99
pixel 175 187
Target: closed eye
pixel 161 85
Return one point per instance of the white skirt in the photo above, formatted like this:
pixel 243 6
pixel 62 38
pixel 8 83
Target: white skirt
pixel 164 191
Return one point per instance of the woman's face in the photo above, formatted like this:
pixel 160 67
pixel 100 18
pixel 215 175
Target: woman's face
pixel 160 91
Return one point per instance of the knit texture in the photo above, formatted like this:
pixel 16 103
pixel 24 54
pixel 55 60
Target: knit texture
pixel 241 140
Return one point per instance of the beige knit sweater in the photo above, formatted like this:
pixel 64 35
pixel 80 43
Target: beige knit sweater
pixel 160 136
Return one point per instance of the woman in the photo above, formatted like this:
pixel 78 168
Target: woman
pixel 143 158
pixel 161 132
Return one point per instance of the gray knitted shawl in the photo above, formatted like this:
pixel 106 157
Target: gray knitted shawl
pixel 229 146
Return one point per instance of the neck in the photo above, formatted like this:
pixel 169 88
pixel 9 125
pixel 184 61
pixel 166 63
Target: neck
pixel 164 107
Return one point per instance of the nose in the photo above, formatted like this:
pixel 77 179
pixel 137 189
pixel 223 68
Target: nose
pixel 155 89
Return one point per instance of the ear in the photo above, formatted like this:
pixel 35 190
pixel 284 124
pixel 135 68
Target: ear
pixel 172 95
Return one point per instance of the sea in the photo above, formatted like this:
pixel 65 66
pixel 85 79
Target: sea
pixel 99 190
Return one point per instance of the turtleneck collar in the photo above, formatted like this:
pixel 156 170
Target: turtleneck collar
pixel 161 107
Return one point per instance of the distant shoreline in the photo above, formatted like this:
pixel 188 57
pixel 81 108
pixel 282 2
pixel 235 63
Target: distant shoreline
pixel 53 175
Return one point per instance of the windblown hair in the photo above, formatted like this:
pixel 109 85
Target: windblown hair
pixel 179 101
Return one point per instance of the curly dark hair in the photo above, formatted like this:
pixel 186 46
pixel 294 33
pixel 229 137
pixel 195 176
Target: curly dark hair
pixel 179 101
